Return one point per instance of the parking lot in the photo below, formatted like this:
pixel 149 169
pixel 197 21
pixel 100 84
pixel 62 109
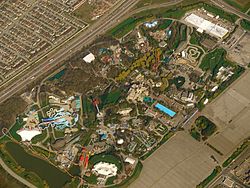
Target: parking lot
pixel 30 29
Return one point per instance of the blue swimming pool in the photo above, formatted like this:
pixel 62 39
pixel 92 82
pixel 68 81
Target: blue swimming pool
pixel 165 110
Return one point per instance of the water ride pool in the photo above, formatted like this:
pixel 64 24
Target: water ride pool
pixel 165 110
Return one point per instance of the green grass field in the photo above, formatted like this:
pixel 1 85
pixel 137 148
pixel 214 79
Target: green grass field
pixel 214 60
pixel 203 128
pixel 18 125
pixel 125 27
pixel 206 181
pixel 242 5
pixel 245 24
pixel 176 12
pixel 236 153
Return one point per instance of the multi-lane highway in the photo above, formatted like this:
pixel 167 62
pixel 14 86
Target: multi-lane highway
pixel 119 11
pixel 85 38
pixel 106 22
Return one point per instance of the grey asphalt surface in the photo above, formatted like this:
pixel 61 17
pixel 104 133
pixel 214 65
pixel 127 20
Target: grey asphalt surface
pixel 223 5
pixel 88 36
pixel 226 172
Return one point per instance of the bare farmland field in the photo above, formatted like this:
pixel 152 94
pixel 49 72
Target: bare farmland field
pixel 181 162
pixel 231 113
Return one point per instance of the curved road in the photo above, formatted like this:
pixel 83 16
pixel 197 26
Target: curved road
pixel 19 178
pixel 87 37
pixel 228 8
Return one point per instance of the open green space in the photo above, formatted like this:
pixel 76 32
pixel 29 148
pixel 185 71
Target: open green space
pixel 43 99
pixel 110 180
pixel 125 27
pixel 73 184
pixel 59 133
pixel 206 181
pixel 18 125
pixel 245 24
pixel 44 153
pixel 84 12
pixel 236 153
pixel 89 115
pixel 242 5
pixel 214 60
pixel 110 98
pixel 164 24
pixel 30 163
pixel 92 179
pixel 203 128
pixel 39 138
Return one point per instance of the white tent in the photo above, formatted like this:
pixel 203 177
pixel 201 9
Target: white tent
pixel 27 134
pixel 89 58
pixel 105 169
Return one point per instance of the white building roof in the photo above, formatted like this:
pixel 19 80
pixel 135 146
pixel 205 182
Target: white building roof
pixel 130 160
pixel 27 134
pixel 120 141
pixel 106 169
pixel 209 27
pixel 206 101
pixel 89 58
pixel 228 182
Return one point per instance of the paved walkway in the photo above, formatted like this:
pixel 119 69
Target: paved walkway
pixel 22 180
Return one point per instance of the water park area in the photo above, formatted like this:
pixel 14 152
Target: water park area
pixel 98 118
pixel 60 119
pixel 165 110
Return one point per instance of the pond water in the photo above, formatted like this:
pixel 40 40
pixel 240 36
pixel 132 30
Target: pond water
pixel 53 176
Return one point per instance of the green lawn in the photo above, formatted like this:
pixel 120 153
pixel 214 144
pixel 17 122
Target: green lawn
pixel 195 38
pixel 39 137
pixel 165 24
pixel 203 128
pixel 245 24
pixel 206 181
pixel 110 98
pixel 223 14
pixel 214 60
pixel 125 27
pixel 242 5
pixel 92 179
pixel 236 153
pixel 18 125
